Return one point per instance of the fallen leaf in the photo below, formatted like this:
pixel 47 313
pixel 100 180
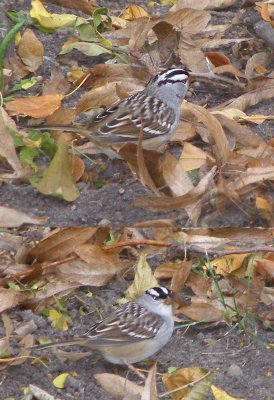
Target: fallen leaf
pixel 134 12
pixel 175 176
pixel 201 312
pixel 193 157
pixel 7 146
pixel 150 389
pixel 220 394
pixel 31 50
pixel 12 218
pixel 204 5
pixel 119 387
pixel 196 382
pixel 58 180
pixel 8 299
pixel 214 127
pixel 60 380
pixel 35 106
pixel 143 279
pixel 172 203
pixel 60 244
pixel 48 20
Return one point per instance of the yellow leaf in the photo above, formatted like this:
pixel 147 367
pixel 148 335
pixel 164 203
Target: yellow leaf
pixel 134 12
pixel 143 280
pixel 264 207
pixel 227 264
pixel 194 381
pixel 57 179
pixel 50 21
pixel 60 380
pixel 221 394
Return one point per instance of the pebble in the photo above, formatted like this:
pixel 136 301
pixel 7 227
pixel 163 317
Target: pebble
pixel 234 371
pixel 104 222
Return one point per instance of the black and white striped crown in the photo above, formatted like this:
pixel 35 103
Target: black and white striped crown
pixel 159 293
pixel 173 75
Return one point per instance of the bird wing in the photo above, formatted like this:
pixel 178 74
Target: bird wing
pixel 131 322
pixel 123 121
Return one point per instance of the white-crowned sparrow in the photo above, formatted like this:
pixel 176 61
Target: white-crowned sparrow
pixel 155 110
pixel 133 332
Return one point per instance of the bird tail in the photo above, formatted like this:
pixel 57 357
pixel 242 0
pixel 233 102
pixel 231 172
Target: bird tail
pixel 72 342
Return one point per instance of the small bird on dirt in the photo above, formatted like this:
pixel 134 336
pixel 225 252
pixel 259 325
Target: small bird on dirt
pixel 133 332
pixel 154 110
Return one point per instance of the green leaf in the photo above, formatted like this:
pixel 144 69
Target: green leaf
pixel 27 155
pixel 98 20
pixel 24 84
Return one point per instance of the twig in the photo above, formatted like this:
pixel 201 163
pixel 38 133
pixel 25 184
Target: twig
pixel 134 243
pixel 220 253
pixel 212 76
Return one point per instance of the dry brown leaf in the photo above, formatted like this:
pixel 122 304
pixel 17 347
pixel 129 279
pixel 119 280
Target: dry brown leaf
pixel 249 99
pixel 87 6
pixel 12 218
pixel 62 116
pixel 257 60
pixel 217 58
pixel 176 176
pixel 56 84
pixel 215 130
pixel 102 96
pixel 250 176
pixel 166 270
pixel 59 245
pixel 31 50
pixel 7 147
pixel 189 20
pixel 203 5
pixel 201 312
pixel 193 157
pixel 242 134
pixel 150 389
pixel 200 285
pixel 172 203
pixel 79 273
pixel 35 106
pixel 9 298
pixel 180 276
pixel 191 55
pixel 97 258
pixel 266 269
pixel 119 387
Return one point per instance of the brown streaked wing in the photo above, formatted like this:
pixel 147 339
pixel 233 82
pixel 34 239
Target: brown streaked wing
pixel 131 322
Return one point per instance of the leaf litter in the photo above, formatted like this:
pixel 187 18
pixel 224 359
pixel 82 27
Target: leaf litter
pixel 211 291
pixel 219 139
